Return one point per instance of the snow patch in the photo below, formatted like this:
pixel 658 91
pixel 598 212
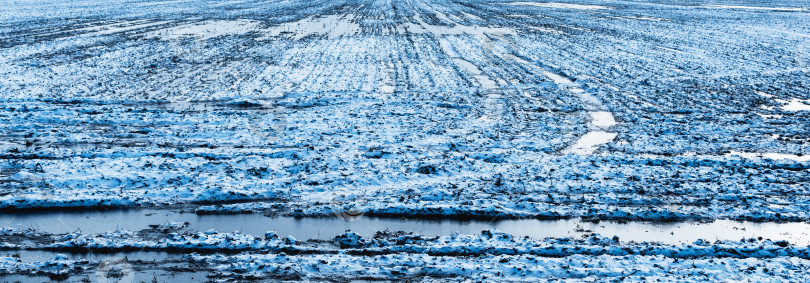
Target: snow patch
pixel 119 27
pixel 332 26
pixel 557 79
pixel 764 94
pixel 471 16
pixel 778 9
pixel 795 104
pixel 590 142
pixel 208 29
pixel 547 30
pixel 457 29
pixel 602 119
pixel 484 80
pixel 774 156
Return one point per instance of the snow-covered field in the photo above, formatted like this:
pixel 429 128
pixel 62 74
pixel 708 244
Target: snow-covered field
pixel 597 110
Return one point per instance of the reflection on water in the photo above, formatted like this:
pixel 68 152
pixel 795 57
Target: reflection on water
pixel 94 222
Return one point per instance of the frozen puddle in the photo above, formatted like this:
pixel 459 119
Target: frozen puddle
pixel 96 222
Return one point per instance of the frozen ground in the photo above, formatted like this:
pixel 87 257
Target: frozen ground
pixel 401 256
pixel 594 110
pixel 620 110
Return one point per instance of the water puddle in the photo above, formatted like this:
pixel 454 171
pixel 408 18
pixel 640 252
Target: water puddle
pixel 560 5
pixel 95 222
pixel 147 267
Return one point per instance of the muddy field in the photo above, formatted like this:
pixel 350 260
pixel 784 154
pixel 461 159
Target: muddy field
pixel 587 119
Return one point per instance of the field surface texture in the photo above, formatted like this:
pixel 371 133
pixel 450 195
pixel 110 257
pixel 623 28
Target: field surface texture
pixel 655 111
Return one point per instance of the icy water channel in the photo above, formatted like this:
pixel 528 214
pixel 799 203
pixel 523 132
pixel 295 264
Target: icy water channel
pixel 94 222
